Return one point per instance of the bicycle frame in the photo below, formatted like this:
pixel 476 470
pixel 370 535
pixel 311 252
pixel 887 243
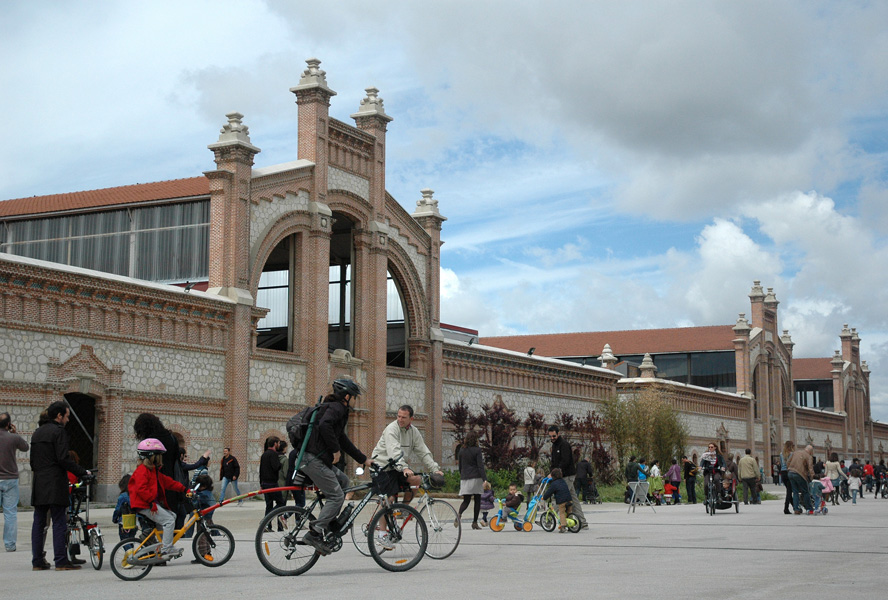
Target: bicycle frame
pixel 157 534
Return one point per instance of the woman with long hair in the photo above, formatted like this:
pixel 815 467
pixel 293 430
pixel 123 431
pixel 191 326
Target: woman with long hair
pixel 713 465
pixel 472 475
pixel 788 448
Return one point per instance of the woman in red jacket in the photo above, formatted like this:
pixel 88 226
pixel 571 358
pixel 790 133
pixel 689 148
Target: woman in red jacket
pixel 147 488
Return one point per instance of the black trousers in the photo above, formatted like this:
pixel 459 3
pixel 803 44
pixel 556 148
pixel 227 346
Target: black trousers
pixel 691 487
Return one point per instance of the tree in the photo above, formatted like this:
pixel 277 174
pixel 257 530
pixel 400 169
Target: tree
pixel 534 434
pixel 645 424
pixel 499 426
pixel 460 417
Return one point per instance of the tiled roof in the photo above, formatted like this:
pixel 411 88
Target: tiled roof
pixel 681 339
pixel 127 194
pixel 811 368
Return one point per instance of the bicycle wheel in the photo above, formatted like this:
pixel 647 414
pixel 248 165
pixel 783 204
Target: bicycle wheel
pixel 125 560
pixel 497 523
pixel 213 546
pixel 404 545
pixel 548 521
pixel 445 529
pixel 577 525
pixel 72 541
pixel 96 548
pixel 283 552
pixel 361 525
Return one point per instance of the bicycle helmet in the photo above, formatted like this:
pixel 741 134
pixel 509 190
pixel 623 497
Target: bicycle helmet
pixel 149 447
pixel 343 386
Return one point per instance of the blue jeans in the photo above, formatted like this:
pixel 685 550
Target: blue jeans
pixel 9 498
pixel 801 492
pixel 225 482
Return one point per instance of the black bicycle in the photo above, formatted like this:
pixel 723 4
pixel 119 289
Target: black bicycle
pixel 397 535
pixel 79 530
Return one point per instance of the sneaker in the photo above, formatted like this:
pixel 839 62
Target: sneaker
pixel 78 561
pixel 10 548
pixel 67 567
pixel 585 526
pixel 316 541
pixel 240 502
pixel 384 541
pixel 170 553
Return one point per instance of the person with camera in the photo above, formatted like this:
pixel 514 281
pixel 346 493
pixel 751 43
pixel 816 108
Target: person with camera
pixel 10 441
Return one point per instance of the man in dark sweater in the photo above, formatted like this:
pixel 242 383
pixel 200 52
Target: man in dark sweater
pixel 269 470
pixel 563 458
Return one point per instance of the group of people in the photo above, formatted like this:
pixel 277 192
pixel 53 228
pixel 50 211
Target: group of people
pixel 475 489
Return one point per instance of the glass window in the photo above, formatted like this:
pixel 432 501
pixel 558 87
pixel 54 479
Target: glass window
pixel 274 294
pixel 672 366
pixel 716 370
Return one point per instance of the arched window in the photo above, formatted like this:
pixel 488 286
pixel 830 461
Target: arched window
pixel 275 292
pixel 396 325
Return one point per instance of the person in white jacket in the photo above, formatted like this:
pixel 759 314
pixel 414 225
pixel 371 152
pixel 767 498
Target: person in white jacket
pixel 400 442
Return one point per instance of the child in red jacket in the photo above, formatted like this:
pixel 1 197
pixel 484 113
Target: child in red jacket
pixel 146 492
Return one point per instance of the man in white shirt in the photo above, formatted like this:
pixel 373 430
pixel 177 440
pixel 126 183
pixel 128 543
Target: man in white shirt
pixel 400 441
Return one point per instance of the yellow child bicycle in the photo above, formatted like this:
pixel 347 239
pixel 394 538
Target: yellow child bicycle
pixel 213 545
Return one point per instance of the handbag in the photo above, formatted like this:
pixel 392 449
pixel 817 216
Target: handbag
pixel 758 486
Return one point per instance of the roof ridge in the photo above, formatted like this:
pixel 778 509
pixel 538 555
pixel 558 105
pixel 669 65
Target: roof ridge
pixel 113 187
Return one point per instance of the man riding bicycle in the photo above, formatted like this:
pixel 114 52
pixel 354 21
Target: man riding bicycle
pixel 399 441
pixel 328 440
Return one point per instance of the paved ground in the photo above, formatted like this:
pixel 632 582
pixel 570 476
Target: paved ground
pixel 677 551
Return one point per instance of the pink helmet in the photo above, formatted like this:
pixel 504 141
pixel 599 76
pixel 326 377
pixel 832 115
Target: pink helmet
pixel 149 447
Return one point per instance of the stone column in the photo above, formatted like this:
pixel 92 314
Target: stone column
pixel 230 206
pixel 427 215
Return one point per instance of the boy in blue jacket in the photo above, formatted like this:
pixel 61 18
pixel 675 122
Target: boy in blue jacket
pixel 559 489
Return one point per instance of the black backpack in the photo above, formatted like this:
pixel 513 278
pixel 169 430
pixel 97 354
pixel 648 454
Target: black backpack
pixel 298 424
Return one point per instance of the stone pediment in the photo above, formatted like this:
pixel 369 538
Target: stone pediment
pixel 87 368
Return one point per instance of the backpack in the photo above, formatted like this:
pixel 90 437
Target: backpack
pixel 297 425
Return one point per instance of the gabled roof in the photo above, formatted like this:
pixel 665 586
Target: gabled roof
pixel 680 339
pixel 811 368
pixel 127 194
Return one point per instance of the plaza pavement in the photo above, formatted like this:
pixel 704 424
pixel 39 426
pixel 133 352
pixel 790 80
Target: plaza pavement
pixel 675 552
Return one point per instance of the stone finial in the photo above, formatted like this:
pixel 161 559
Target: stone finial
pixel 313 78
pixel 864 367
pixel 770 297
pixel 757 292
pixel 427 206
pixel 742 326
pixel 854 336
pixel 786 339
pixel 234 133
pixel 846 333
pixel 837 361
pixel 371 106
pixel 607 358
pixel 648 368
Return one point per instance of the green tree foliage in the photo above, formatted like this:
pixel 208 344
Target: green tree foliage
pixel 644 424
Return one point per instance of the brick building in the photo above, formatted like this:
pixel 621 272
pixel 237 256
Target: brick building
pixel 740 384
pixel 225 302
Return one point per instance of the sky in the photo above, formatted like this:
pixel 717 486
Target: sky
pixel 602 165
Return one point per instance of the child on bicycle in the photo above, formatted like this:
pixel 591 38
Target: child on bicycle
pixel 558 488
pixel 514 500
pixel 123 507
pixel 487 500
pixel 147 491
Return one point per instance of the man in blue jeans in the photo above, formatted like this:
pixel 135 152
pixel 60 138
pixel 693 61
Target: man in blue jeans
pixel 801 471
pixel 228 474
pixel 9 478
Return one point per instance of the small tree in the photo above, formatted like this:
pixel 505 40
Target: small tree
pixel 534 434
pixel 499 426
pixel 460 417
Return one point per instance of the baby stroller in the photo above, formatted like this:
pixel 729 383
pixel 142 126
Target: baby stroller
pixel 719 497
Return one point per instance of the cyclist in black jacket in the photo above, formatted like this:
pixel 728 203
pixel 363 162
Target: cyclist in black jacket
pixel 325 446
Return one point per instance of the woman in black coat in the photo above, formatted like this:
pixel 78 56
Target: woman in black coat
pixel 147 426
pixel 472 475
